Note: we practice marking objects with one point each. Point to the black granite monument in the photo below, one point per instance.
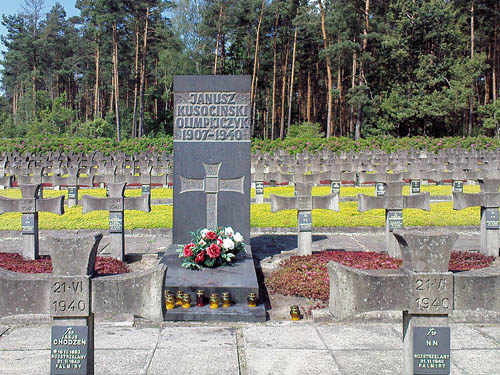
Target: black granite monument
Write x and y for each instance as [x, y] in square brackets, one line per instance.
[212, 188]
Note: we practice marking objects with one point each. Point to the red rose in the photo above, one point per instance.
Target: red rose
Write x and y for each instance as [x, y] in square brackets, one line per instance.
[200, 257]
[213, 251]
[211, 235]
[187, 250]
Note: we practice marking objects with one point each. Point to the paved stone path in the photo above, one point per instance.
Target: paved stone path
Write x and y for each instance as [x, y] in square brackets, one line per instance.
[269, 348]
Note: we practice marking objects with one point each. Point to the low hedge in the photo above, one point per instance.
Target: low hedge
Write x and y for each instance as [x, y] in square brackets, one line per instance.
[292, 145]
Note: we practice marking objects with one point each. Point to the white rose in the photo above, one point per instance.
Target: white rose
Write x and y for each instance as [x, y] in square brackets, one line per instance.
[229, 231]
[238, 237]
[203, 233]
[202, 243]
[228, 244]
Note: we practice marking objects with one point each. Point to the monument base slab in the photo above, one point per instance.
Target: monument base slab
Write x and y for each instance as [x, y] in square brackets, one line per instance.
[239, 279]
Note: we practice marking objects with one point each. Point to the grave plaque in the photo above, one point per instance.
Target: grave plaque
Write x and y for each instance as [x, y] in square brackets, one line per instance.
[395, 219]
[146, 189]
[69, 296]
[305, 221]
[415, 187]
[72, 192]
[68, 350]
[115, 222]
[492, 218]
[458, 186]
[259, 187]
[335, 187]
[380, 189]
[431, 350]
[28, 223]
[211, 154]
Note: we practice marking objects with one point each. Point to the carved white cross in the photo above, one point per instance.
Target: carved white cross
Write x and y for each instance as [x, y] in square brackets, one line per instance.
[211, 185]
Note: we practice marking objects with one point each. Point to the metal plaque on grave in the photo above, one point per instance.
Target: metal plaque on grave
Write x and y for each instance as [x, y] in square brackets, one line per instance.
[380, 189]
[68, 350]
[335, 187]
[305, 221]
[259, 187]
[146, 189]
[28, 223]
[211, 128]
[415, 187]
[431, 350]
[72, 192]
[458, 186]
[395, 219]
[116, 222]
[492, 218]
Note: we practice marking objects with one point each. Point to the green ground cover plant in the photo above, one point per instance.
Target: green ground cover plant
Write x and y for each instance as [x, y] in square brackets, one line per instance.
[441, 214]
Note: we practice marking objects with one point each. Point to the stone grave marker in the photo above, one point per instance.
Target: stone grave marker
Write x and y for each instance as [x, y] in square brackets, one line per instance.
[212, 182]
[116, 204]
[304, 203]
[30, 205]
[73, 182]
[72, 336]
[489, 201]
[422, 289]
[393, 202]
[144, 179]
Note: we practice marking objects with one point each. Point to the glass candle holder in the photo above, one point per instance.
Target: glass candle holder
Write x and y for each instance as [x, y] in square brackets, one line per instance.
[178, 297]
[186, 301]
[214, 301]
[200, 298]
[169, 301]
[226, 299]
[252, 300]
[295, 312]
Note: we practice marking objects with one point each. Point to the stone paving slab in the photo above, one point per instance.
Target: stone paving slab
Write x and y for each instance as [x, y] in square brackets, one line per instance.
[361, 336]
[273, 361]
[25, 362]
[288, 336]
[126, 338]
[122, 361]
[26, 338]
[477, 362]
[369, 362]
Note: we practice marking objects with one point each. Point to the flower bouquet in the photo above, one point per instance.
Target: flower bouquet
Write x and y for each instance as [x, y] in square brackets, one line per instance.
[211, 248]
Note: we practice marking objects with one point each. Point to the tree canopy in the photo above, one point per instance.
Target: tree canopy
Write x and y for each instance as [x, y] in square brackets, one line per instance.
[355, 67]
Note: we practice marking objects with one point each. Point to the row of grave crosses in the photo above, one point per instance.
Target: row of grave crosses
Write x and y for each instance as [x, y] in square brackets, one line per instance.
[31, 204]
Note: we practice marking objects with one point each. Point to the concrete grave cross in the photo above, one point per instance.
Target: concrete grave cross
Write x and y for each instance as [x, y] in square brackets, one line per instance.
[73, 182]
[144, 179]
[70, 300]
[393, 202]
[380, 180]
[30, 205]
[422, 289]
[116, 204]
[211, 185]
[489, 201]
[304, 203]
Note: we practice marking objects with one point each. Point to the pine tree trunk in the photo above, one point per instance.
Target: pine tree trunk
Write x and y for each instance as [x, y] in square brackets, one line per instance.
[283, 93]
[328, 72]
[273, 109]
[255, 59]
[136, 81]
[217, 42]
[309, 94]
[292, 75]
[97, 107]
[471, 99]
[116, 81]
[143, 74]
